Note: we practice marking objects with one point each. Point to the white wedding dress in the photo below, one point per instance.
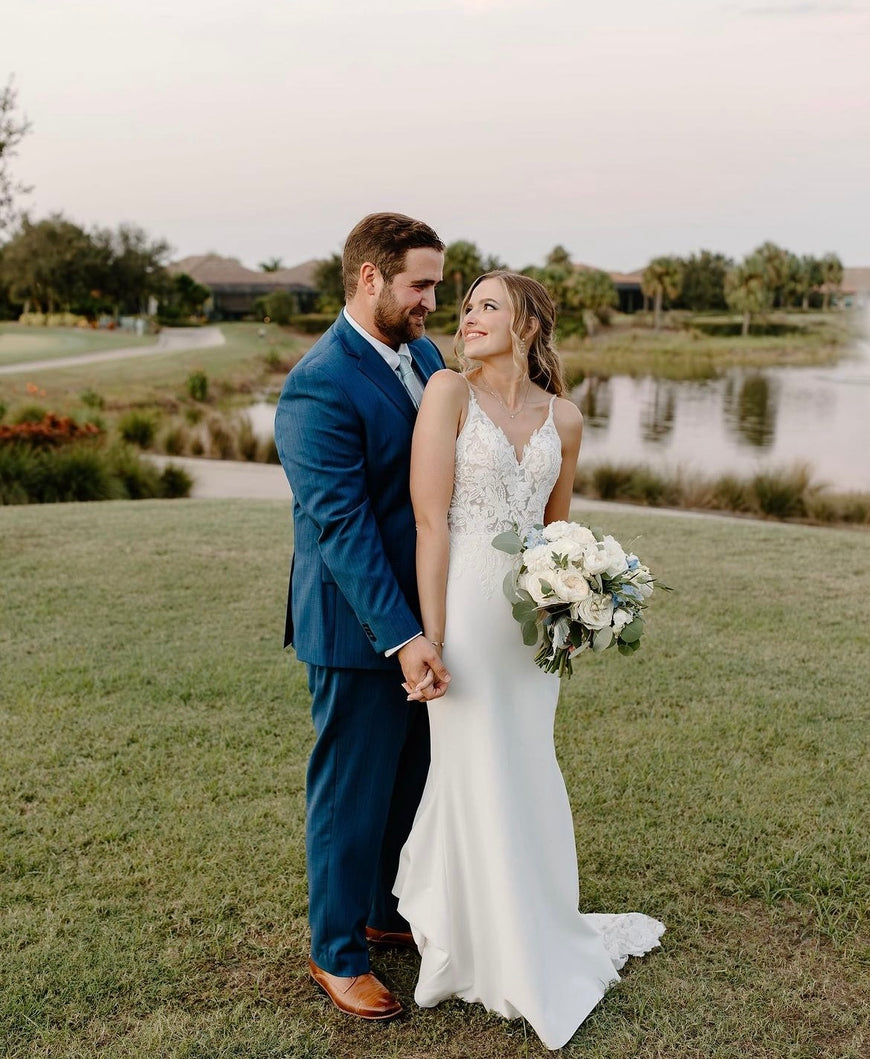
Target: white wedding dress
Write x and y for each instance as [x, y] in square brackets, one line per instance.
[488, 876]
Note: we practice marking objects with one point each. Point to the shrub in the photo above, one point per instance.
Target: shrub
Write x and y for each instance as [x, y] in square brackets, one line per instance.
[197, 385]
[49, 475]
[313, 323]
[2, 411]
[247, 442]
[268, 451]
[221, 439]
[175, 482]
[611, 481]
[731, 494]
[91, 399]
[781, 495]
[49, 431]
[176, 440]
[83, 471]
[30, 413]
[138, 428]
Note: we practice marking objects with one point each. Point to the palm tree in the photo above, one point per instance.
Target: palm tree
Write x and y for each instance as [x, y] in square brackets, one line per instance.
[746, 289]
[662, 278]
[592, 291]
[832, 276]
[462, 265]
[775, 262]
[271, 264]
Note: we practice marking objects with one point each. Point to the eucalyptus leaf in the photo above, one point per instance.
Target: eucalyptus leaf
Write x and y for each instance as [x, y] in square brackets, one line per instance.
[602, 639]
[509, 542]
[628, 648]
[530, 633]
[633, 631]
[524, 610]
[509, 587]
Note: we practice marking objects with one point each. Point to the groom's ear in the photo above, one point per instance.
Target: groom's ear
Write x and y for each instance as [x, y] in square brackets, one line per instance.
[369, 274]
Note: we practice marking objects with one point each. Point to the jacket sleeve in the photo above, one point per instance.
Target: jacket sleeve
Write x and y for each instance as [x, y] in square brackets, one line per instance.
[320, 440]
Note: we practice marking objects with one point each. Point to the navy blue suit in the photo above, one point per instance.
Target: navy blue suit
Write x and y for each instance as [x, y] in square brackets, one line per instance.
[343, 429]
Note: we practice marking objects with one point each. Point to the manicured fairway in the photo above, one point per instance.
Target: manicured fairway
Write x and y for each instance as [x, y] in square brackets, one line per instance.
[152, 761]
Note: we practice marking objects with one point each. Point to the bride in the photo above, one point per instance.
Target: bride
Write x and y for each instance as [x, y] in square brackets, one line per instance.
[488, 876]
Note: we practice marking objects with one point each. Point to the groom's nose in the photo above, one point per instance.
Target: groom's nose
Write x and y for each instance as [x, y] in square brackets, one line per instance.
[428, 299]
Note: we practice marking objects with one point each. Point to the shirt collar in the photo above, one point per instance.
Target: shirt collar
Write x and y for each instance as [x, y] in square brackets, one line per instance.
[390, 355]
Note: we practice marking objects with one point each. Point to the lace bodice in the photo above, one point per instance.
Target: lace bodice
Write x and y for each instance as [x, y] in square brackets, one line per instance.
[493, 490]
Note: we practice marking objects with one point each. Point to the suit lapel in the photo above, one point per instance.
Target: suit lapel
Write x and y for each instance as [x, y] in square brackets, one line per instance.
[375, 368]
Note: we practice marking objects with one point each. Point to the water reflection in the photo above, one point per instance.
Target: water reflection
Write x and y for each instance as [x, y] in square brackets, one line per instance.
[750, 408]
[738, 423]
[593, 396]
[657, 416]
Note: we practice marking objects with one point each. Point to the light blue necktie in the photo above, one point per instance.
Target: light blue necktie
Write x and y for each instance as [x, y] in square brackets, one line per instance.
[409, 377]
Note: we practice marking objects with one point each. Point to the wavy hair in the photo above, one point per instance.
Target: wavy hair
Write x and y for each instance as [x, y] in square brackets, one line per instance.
[529, 302]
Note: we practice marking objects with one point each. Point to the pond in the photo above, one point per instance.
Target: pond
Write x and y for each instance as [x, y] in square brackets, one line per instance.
[744, 421]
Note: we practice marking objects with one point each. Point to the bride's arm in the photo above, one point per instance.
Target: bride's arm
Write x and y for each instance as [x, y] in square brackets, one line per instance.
[432, 464]
[569, 425]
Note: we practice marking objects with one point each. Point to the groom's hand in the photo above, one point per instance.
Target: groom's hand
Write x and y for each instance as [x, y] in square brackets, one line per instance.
[426, 676]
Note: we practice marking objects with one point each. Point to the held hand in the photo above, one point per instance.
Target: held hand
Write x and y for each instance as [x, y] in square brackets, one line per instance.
[426, 676]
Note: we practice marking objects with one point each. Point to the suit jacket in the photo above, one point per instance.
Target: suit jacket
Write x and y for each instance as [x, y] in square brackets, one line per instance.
[343, 429]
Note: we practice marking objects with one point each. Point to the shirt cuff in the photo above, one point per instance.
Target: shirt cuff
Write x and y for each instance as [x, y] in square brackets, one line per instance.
[399, 646]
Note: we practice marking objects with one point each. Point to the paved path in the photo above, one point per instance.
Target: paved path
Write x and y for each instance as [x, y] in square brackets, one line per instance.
[239, 480]
[170, 340]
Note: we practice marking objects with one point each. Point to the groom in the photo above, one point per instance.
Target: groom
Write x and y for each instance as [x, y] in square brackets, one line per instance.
[343, 430]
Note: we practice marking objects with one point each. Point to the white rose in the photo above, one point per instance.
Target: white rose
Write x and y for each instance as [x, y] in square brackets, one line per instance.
[531, 583]
[567, 548]
[538, 558]
[595, 559]
[570, 585]
[572, 530]
[621, 618]
[595, 611]
[617, 561]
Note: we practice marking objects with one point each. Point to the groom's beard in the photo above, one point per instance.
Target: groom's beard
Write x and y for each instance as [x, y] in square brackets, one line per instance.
[397, 324]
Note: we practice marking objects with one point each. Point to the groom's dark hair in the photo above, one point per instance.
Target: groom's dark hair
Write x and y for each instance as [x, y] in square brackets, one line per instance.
[383, 239]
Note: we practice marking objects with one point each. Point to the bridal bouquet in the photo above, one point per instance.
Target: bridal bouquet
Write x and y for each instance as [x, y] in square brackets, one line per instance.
[575, 589]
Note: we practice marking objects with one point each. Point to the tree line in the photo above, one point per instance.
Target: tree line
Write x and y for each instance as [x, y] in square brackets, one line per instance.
[770, 277]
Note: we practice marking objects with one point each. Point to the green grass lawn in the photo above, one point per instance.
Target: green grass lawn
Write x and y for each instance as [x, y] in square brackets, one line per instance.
[153, 757]
[19, 343]
[241, 363]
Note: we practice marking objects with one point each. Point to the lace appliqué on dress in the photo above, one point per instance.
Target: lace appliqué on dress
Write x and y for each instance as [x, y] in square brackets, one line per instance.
[494, 491]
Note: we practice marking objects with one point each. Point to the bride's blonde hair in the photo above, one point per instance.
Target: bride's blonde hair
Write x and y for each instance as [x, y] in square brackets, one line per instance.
[531, 306]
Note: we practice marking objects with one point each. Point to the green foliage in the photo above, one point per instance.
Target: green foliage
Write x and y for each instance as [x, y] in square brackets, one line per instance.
[83, 471]
[91, 399]
[746, 289]
[703, 287]
[786, 494]
[330, 284]
[3, 411]
[197, 386]
[138, 428]
[279, 306]
[182, 301]
[30, 413]
[662, 281]
[313, 323]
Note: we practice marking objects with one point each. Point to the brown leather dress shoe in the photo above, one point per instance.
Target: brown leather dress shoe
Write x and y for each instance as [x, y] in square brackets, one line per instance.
[361, 995]
[401, 939]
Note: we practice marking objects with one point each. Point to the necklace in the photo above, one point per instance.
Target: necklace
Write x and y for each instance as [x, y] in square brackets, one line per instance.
[520, 406]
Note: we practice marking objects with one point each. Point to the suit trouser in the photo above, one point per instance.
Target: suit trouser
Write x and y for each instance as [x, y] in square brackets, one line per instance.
[365, 778]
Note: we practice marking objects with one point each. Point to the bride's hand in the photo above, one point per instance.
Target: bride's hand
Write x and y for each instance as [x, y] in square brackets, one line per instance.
[426, 676]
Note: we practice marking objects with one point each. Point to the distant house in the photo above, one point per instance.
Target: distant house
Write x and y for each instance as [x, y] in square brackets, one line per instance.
[628, 289]
[235, 289]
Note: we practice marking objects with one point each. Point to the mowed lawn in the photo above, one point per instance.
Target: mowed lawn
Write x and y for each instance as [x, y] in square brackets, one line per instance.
[152, 761]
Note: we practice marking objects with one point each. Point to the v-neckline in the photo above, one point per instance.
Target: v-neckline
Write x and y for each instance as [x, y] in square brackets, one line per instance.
[519, 460]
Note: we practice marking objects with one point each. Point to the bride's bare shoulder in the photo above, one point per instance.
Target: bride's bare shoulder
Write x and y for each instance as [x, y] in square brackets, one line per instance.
[567, 416]
[447, 386]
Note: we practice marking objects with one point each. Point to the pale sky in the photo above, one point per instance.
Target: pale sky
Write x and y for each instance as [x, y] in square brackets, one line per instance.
[623, 130]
